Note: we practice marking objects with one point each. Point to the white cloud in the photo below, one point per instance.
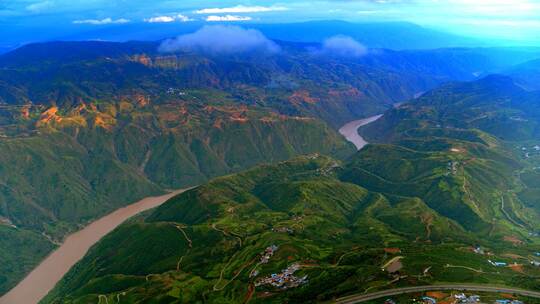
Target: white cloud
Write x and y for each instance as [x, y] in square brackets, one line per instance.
[227, 18]
[102, 21]
[241, 9]
[343, 46]
[221, 39]
[39, 6]
[167, 19]
[184, 18]
[160, 19]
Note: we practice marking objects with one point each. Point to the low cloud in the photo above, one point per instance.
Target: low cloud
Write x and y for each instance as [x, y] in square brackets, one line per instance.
[160, 19]
[241, 9]
[221, 40]
[228, 18]
[167, 19]
[183, 18]
[102, 21]
[343, 46]
[39, 6]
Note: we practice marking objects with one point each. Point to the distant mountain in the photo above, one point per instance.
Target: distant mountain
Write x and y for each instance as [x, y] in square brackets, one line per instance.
[526, 74]
[72, 71]
[390, 35]
[90, 126]
[490, 118]
[494, 104]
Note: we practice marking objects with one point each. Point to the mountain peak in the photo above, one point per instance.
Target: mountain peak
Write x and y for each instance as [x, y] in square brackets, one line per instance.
[499, 83]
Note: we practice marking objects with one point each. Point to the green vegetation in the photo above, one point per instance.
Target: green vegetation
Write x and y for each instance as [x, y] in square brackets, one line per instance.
[69, 175]
[20, 251]
[88, 127]
[336, 230]
[434, 204]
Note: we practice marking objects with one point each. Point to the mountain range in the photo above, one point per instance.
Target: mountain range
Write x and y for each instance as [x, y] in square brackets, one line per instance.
[442, 190]
[88, 127]
[389, 35]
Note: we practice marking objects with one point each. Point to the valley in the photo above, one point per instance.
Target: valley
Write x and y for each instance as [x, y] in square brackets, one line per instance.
[422, 202]
[44, 277]
[49, 272]
[314, 169]
[103, 124]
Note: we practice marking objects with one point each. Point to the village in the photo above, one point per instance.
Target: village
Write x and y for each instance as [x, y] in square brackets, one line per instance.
[452, 168]
[176, 92]
[530, 151]
[284, 280]
[481, 251]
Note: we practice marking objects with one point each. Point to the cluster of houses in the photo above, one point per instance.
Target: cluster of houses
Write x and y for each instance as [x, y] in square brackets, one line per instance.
[498, 264]
[284, 280]
[452, 168]
[268, 253]
[527, 151]
[462, 298]
[479, 250]
[265, 258]
[174, 91]
[508, 302]
[283, 230]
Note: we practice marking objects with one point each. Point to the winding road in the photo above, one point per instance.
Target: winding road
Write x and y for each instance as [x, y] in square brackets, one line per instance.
[44, 277]
[350, 130]
[359, 298]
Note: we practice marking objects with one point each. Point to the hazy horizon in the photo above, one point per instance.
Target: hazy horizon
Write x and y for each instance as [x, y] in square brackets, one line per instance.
[26, 21]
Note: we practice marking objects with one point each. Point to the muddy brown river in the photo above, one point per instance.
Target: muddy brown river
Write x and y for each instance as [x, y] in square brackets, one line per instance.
[350, 131]
[43, 278]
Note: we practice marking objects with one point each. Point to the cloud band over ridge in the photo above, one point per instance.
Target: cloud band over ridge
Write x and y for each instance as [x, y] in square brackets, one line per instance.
[221, 40]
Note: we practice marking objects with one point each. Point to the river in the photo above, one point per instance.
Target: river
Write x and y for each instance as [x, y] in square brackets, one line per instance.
[43, 278]
[350, 130]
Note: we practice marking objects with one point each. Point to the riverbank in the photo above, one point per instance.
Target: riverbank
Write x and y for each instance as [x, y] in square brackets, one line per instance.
[350, 130]
[43, 278]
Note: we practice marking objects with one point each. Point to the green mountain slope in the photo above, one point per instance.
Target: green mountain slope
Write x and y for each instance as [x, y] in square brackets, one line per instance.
[490, 124]
[526, 74]
[446, 180]
[74, 172]
[494, 105]
[88, 127]
[209, 242]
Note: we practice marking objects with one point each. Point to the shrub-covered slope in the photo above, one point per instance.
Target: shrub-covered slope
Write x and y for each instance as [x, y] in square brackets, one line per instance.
[338, 223]
[446, 181]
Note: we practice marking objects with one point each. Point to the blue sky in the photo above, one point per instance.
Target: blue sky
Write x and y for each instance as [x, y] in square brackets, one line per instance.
[517, 20]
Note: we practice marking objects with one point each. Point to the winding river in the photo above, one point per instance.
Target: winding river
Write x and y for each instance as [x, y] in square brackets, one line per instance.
[44, 277]
[350, 131]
